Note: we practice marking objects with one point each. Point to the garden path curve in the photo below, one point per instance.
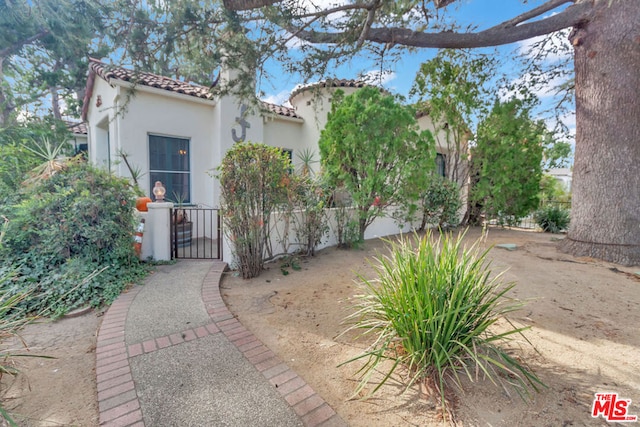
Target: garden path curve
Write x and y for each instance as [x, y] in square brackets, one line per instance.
[170, 353]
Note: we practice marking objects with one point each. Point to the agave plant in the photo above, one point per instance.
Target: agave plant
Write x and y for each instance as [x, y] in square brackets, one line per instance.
[53, 160]
[431, 310]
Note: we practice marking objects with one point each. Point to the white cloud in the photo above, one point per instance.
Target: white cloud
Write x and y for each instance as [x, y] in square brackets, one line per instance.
[569, 120]
[281, 98]
[539, 87]
[293, 42]
[378, 77]
[552, 48]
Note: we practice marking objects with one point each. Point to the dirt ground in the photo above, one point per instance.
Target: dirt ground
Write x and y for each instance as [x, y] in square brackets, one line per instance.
[584, 317]
[54, 392]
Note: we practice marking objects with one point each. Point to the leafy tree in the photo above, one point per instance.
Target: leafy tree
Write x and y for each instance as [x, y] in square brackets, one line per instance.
[453, 87]
[440, 203]
[44, 50]
[19, 145]
[372, 147]
[606, 60]
[556, 153]
[506, 162]
[553, 190]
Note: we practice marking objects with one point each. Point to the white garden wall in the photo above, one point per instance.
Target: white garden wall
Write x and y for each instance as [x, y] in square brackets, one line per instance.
[283, 241]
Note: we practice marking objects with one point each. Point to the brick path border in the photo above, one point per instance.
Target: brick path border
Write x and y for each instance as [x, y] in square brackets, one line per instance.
[117, 399]
[118, 402]
[310, 407]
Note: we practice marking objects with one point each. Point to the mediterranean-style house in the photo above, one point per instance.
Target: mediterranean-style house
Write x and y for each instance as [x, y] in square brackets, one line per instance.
[178, 133]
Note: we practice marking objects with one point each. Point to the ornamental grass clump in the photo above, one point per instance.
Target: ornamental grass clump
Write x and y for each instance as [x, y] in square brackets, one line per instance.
[552, 219]
[431, 310]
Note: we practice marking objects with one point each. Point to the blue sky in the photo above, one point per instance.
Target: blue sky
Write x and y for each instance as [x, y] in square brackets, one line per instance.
[398, 77]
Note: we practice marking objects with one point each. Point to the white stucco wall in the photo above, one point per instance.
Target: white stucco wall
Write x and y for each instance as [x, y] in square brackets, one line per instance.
[124, 122]
[100, 123]
[313, 105]
[150, 113]
[286, 134]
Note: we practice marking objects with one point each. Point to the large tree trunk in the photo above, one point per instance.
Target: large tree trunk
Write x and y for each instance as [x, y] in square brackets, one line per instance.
[605, 216]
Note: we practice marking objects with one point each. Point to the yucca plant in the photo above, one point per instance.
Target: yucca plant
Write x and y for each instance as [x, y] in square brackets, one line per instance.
[431, 310]
[552, 219]
[53, 160]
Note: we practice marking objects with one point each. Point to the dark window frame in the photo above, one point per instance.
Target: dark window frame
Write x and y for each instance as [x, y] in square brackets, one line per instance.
[170, 163]
[441, 164]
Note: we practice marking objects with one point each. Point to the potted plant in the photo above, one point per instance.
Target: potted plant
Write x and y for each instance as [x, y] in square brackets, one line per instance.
[181, 227]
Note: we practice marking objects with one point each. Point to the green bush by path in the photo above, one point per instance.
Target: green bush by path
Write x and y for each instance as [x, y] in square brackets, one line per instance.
[253, 182]
[431, 310]
[70, 238]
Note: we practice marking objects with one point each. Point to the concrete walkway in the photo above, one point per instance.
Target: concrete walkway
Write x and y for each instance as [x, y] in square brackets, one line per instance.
[169, 353]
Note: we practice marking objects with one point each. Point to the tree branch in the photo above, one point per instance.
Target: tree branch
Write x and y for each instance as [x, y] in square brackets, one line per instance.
[9, 50]
[371, 15]
[238, 5]
[494, 36]
[550, 5]
[332, 10]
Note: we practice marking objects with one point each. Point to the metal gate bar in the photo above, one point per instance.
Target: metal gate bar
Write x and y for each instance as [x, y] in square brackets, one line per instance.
[195, 233]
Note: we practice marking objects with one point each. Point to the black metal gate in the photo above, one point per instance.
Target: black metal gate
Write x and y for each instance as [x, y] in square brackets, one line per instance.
[196, 233]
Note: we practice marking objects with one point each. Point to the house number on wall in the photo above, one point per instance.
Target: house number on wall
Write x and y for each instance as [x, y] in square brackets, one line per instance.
[243, 125]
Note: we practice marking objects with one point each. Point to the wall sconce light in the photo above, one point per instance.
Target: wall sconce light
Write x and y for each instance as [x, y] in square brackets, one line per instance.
[159, 191]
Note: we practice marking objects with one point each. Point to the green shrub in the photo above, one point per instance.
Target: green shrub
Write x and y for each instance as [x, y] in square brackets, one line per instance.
[552, 218]
[347, 226]
[64, 231]
[440, 203]
[307, 197]
[12, 319]
[431, 309]
[253, 179]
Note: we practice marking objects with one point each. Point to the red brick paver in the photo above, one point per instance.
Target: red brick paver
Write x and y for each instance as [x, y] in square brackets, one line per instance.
[311, 408]
[117, 399]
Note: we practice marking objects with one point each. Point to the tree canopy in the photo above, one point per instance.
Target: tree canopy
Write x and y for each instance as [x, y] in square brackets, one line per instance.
[506, 162]
[44, 47]
[372, 147]
[188, 39]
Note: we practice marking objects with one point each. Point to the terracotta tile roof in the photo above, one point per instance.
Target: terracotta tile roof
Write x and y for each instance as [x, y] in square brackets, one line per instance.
[338, 83]
[108, 72]
[77, 128]
[280, 110]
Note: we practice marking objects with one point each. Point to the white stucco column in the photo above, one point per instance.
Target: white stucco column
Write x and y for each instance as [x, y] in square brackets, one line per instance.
[159, 230]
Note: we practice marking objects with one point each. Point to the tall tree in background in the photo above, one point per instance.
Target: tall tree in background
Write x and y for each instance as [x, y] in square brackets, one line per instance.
[605, 38]
[507, 162]
[44, 45]
[372, 147]
[452, 87]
